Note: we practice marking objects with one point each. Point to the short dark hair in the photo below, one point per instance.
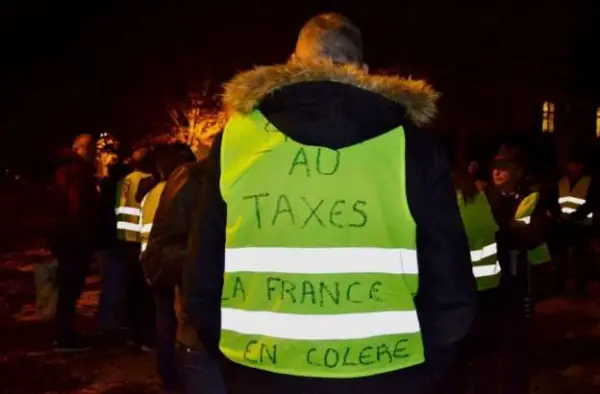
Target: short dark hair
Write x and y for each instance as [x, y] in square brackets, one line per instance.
[168, 157]
[331, 36]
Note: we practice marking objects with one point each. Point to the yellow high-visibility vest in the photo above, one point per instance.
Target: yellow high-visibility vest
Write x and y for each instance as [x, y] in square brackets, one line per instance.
[571, 199]
[149, 206]
[127, 208]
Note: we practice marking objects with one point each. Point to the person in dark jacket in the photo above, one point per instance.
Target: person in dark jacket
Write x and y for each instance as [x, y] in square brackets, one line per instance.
[163, 260]
[505, 194]
[109, 316]
[165, 243]
[324, 97]
[74, 237]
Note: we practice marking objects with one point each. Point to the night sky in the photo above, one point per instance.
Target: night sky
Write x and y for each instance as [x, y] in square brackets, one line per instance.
[73, 67]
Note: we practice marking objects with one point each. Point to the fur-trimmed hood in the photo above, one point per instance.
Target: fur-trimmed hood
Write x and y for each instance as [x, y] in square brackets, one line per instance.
[247, 90]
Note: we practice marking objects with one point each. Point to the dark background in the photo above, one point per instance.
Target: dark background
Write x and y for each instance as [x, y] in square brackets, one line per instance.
[74, 67]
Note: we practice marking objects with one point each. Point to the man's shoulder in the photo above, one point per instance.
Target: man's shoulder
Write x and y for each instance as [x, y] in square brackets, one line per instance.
[182, 173]
[423, 146]
[181, 180]
[192, 171]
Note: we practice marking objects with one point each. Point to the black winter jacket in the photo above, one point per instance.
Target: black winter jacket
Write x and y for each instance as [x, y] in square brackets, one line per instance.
[168, 241]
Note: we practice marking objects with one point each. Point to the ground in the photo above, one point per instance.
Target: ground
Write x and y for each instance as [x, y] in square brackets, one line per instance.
[566, 345]
[28, 364]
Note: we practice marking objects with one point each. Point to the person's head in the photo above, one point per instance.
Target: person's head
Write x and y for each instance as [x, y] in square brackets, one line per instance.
[329, 37]
[507, 167]
[140, 160]
[108, 156]
[473, 167]
[139, 155]
[170, 156]
[85, 147]
[574, 167]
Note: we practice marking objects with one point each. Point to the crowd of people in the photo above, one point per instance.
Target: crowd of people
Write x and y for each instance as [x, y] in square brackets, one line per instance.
[324, 245]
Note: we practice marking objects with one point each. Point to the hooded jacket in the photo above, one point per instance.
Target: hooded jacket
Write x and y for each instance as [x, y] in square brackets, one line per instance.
[335, 107]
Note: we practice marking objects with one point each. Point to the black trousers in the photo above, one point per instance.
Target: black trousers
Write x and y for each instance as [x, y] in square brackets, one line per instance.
[166, 335]
[495, 355]
[73, 266]
[575, 239]
[139, 299]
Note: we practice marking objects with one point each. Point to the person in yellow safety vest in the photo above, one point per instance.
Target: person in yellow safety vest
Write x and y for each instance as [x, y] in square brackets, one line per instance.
[331, 255]
[523, 220]
[577, 200]
[139, 306]
[479, 355]
[481, 231]
[127, 208]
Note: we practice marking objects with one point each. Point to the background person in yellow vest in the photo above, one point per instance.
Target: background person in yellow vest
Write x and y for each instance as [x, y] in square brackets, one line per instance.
[480, 349]
[139, 305]
[318, 176]
[507, 195]
[168, 158]
[577, 198]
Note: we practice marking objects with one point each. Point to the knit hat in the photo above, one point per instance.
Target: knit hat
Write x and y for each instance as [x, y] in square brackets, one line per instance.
[509, 156]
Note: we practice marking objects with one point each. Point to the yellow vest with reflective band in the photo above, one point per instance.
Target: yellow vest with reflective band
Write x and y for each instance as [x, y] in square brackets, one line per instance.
[149, 206]
[571, 200]
[540, 254]
[320, 260]
[481, 229]
[127, 208]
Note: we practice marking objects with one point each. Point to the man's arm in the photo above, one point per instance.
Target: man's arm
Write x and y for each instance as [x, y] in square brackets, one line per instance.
[205, 265]
[446, 300]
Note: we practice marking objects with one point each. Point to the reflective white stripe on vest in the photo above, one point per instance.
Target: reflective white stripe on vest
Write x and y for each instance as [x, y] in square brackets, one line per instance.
[572, 200]
[128, 211]
[569, 210]
[146, 228]
[486, 270]
[486, 251]
[319, 327]
[526, 219]
[128, 226]
[322, 260]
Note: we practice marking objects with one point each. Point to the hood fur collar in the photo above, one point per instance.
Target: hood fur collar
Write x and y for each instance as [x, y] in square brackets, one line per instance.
[247, 89]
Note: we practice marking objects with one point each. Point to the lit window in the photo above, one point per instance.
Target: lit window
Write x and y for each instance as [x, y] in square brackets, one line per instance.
[548, 117]
[598, 122]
